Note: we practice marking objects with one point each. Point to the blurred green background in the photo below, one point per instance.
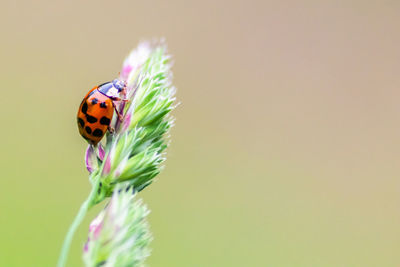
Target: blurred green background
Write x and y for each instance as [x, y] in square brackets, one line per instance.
[286, 147]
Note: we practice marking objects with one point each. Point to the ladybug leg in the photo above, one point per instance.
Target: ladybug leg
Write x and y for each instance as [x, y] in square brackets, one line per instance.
[111, 129]
[120, 117]
[120, 99]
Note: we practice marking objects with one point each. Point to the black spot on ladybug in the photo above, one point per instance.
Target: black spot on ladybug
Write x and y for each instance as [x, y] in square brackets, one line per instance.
[90, 119]
[81, 122]
[98, 133]
[84, 108]
[88, 130]
[103, 105]
[105, 121]
[94, 101]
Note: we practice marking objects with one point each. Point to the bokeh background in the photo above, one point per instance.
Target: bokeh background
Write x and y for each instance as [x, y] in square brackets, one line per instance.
[286, 147]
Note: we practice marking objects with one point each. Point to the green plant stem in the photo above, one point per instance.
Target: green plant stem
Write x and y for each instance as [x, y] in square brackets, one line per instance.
[77, 221]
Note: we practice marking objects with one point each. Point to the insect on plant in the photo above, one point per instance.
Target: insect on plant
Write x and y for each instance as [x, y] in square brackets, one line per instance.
[97, 108]
[133, 112]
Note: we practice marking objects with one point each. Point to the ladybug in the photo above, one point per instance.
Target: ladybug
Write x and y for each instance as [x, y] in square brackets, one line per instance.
[97, 109]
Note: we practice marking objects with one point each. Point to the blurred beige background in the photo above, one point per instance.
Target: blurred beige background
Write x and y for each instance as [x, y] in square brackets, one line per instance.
[286, 147]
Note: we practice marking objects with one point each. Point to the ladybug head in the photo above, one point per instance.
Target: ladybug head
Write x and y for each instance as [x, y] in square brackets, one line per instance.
[119, 84]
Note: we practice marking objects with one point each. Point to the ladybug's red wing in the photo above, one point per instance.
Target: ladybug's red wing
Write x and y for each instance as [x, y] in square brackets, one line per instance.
[94, 116]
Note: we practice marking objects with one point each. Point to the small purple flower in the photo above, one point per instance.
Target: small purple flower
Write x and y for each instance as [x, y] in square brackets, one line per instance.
[94, 230]
[126, 70]
[90, 159]
[126, 122]
[107, 166]
[100, 151]
[135, 59]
